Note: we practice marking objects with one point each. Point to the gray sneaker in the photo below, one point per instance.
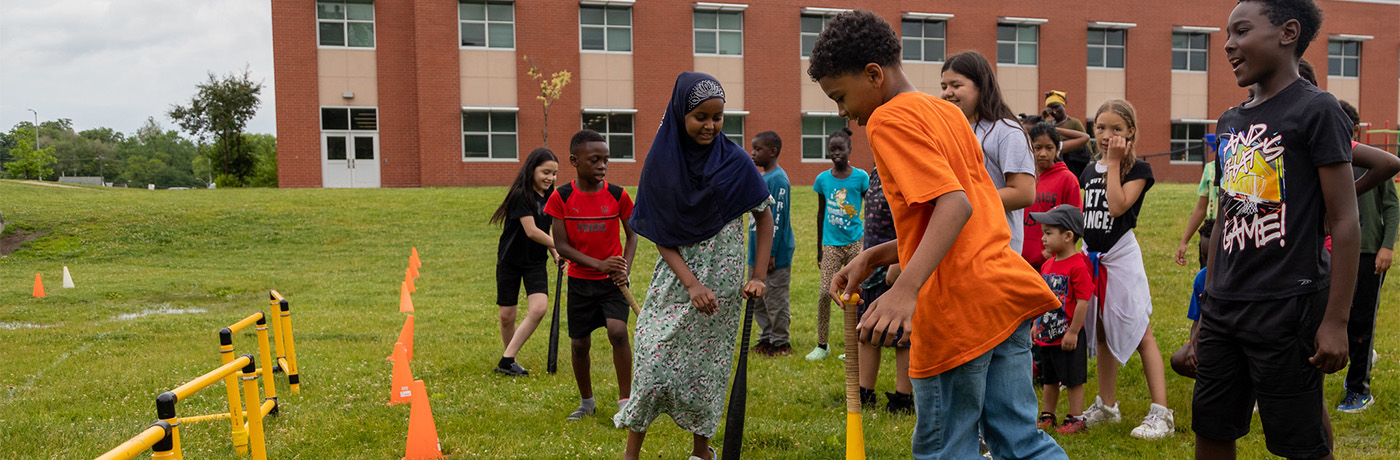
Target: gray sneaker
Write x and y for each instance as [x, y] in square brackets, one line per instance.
[1099, 413]
[580, 413]
[1158, 424]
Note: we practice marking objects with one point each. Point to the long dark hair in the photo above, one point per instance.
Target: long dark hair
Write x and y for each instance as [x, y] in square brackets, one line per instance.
[524, 182]
[991, 106]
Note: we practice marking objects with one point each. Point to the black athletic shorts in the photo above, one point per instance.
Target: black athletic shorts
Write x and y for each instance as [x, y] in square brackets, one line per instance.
[1260, 350]
[871, 293]
[509, 277]
[1068, 368]
[592, 303]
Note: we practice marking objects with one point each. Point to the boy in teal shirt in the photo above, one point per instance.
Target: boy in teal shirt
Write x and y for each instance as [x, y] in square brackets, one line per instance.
[772, 311]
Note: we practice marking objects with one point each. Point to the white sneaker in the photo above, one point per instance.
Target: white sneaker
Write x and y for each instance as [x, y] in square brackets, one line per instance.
[1099, 413]
[1158, 424]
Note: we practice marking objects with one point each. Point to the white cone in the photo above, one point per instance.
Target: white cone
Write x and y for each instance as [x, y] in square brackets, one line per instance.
[67, 279]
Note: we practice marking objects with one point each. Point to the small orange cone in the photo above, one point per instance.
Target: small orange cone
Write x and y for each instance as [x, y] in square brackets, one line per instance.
[412, 270]
[405, 338]
[405, 300]
[408, 278]
[38, 285]
[423, 442]
[400, 391]
[413, 259]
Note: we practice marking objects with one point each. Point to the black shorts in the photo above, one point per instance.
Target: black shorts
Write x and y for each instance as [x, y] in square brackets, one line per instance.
[1260, 350]
[592, 303]
[509, 277]
[1068, 368]
[872, 293]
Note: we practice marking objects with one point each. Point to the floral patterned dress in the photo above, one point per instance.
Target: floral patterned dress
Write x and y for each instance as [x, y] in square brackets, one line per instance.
[682, 356]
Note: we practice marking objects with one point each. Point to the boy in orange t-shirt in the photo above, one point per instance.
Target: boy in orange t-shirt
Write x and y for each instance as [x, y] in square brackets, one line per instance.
[965, 296]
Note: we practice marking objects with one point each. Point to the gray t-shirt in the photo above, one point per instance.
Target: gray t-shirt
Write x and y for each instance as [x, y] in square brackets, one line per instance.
[1006, 150]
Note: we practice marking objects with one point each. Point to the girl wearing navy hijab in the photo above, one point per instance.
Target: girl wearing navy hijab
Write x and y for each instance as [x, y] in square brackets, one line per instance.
[695, 188]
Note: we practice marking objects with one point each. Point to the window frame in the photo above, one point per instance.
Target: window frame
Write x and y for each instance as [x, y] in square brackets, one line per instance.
[825, 135]
[1343, 58]
[1204, 51]
[489, 133]
[345, 25]
[716, 31]
[1105, 46]
[321, 118]
[743, 117]
[486, 24]
[1016, 43]
[1189, 142]
[924, 39]
[631, 20]
[825, 18]
[608, 134]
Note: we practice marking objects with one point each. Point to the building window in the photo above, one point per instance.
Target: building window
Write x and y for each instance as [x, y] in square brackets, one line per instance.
[734, 128]
[924, 39]
[1017, 44]
[348, 119]
[1106, 48]
[486, 24]
[605, 28]
[616, 128]
[489, 135]
[816, 130]
[345, 23]
[812, 25]
[719, 32]
[1188, 142]
[1343, 58]
[1189, 51]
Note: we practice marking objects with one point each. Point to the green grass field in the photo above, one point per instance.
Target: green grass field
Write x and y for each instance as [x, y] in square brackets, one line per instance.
[159, 272]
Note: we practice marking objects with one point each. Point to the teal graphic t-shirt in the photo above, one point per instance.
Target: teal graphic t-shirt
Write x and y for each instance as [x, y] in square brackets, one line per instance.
[844, 197]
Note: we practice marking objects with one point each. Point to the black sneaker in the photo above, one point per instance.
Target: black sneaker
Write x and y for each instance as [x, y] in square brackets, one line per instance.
[782, 350]
[867, 398]
[900, 403]
[763, 348]
[514, 370]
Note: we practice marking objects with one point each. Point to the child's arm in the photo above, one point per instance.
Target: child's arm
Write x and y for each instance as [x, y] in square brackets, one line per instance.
[1341, 215]
[758, 278]
[847, 280]
[561, 243]
[1390, 219]
[1192, 224]
[1380, 166]
[895, 309]
[1120, 196]
[622, 277]
[1072, 140]
[821, 219]
[700, 296]
[1019, 191]
[554, 253]
[534, 232]
[1071, 340]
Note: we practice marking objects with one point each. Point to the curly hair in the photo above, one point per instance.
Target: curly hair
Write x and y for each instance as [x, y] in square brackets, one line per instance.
[1307, 13]
[850, 41]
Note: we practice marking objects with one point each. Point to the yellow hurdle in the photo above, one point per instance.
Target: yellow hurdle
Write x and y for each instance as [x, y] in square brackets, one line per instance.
[286, 346]
[155, 434]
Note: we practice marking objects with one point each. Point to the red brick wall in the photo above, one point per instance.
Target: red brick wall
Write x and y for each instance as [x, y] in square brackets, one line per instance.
[298, 112]
[419, 82]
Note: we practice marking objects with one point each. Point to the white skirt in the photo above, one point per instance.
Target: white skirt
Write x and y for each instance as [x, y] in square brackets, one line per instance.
[1127, 302]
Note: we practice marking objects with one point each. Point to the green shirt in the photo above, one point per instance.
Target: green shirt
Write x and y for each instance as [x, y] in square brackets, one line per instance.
[1380, 215]
[1208, 189]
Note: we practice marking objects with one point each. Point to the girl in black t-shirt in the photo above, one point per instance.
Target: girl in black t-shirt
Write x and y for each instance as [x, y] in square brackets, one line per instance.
[520, 253]
[1113, 194]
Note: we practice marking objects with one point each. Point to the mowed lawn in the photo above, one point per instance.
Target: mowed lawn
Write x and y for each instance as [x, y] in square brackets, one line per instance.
[159, 272]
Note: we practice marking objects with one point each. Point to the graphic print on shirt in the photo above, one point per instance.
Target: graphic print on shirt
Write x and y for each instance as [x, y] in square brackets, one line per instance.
[1051, 325]
[1096, 216]
[1252, 191]
[838, 212]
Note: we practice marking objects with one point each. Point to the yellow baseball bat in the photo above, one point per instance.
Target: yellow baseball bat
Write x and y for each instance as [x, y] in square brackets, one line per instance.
[855, 437]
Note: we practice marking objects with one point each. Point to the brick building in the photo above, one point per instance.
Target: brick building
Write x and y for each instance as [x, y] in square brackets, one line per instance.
[404, 93]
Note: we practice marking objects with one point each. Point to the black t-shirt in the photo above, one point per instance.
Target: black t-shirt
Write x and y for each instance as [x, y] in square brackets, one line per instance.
[1271, 241]
[1101, 230]
[516, 248]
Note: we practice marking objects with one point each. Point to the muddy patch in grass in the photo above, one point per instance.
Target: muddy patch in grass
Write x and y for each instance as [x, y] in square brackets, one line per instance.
[11, 241]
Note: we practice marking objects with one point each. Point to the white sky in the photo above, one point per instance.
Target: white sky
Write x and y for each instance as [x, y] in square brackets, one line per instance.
[111, 64]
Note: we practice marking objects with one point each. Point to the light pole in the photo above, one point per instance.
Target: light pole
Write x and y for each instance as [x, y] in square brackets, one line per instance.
[36, 134]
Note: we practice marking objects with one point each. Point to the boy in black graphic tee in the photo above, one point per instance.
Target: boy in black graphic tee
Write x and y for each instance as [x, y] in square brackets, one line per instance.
[1275, 314]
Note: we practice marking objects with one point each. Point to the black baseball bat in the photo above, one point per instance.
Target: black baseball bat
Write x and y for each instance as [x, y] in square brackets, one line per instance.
[553, 364]
[739, 393]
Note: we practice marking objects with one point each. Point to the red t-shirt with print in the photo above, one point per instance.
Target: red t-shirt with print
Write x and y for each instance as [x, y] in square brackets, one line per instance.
[592, 221]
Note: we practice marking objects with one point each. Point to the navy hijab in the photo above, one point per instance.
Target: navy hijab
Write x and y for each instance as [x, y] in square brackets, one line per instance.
[689, 192]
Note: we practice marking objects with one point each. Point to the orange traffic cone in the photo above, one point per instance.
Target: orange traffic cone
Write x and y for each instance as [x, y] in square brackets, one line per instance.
[408, 278]
[38, 285]
[423, 442]
[405, 338]
[412, 270]
[400, 391]
[405, 300]
[413, 259]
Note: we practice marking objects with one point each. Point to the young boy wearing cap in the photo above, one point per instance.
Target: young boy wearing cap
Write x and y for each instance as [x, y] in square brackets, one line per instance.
[1060, 332]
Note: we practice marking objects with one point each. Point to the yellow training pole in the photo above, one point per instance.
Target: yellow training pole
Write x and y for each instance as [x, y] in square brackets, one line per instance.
[235, 406]
[265, 355]
[277, 338]
[293, 378]
[138, 445]
[255, 416]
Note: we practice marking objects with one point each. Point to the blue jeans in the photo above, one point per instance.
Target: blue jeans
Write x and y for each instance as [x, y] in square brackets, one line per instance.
[993, 392]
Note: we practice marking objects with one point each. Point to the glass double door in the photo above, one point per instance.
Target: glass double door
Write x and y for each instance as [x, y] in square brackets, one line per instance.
[349, 160]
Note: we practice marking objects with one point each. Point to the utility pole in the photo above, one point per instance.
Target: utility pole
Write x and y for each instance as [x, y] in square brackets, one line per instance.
[36, 134]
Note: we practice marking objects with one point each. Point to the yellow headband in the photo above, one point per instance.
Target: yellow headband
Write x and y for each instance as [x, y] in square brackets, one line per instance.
[1055, 96]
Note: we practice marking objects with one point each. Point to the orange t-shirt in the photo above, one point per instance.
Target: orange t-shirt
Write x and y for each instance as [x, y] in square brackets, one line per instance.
[982, 290]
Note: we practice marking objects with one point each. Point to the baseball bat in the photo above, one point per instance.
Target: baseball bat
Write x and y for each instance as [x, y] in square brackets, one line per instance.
[739, 393]
[553, 364]
[627, 292]
[855, 438]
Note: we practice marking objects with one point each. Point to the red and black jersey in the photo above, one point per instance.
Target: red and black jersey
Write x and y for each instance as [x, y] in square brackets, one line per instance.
[593, 222]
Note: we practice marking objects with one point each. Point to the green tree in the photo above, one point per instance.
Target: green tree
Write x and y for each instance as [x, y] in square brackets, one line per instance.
[154, 155]
[264, 149]
[220, 110]
[27, 162]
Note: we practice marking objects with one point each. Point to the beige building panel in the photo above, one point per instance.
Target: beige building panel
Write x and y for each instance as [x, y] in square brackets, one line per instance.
[1020, 87]
[593, 93]
[605, 80]
[360, 63]
[1102, 85]
[620, 95]
[1190, 95]
[813, 99]
[926, 76]
[1346, 89]
[730, 73]
[502, 92]
[333, 89]
[345, 63]
[487, 63]
[619, 67]
[488, 78]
